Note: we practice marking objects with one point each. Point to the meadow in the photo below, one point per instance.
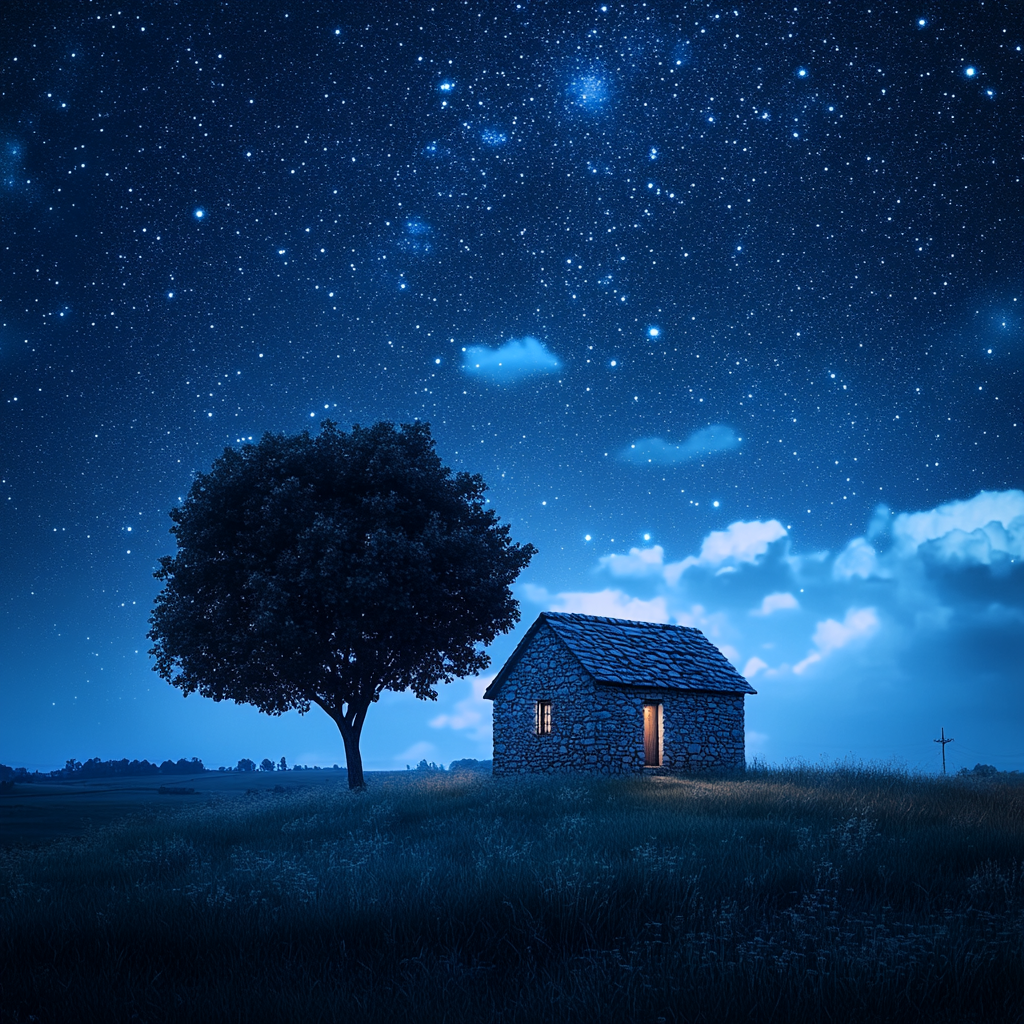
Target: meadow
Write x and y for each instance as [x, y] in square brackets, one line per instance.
[842, 894]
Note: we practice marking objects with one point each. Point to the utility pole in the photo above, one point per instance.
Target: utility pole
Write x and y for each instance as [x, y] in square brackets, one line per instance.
[943, 741]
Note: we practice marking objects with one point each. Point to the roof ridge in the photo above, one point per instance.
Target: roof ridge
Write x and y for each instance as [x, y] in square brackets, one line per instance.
[617, 622]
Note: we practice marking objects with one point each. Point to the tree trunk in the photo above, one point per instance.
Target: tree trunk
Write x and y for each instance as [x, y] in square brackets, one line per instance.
[350, 726]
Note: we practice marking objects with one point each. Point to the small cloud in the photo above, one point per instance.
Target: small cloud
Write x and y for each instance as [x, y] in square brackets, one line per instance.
[639, 562]
[471, 715]
[730, 653]
[776, 603]
[511, 362]
[830, 635]
[752, 667]
[740, 542]
[858, 559]
[614, 603]
[656, 451]
[414, 754]
[756, 741]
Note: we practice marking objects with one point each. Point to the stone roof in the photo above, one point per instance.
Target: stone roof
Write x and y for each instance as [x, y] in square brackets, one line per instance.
[622, 652]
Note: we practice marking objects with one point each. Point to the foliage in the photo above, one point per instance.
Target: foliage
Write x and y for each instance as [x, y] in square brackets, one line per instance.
[471, 764]
[326, 570]
[94, 768]
[793, 896]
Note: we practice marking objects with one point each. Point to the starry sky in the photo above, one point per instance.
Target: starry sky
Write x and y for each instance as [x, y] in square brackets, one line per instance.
[724, 303]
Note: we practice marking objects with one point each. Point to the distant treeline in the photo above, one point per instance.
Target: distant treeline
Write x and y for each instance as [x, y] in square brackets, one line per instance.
[94, 768]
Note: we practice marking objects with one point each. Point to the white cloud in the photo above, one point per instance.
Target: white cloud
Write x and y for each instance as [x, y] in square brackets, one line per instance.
[656, 451]
[857, 560]
[613, 603]
[731, 654]
[471, 715]
[697, 616]
[414, 754]
[970, 530]
[753, 666]
[983, 546]
[984, 529]
[777, 602]
[831, 635]
[511, 362]
[741, 542]
[639, 562]
[756, 741]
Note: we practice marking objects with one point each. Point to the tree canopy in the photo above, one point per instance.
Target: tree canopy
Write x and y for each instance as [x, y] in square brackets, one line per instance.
[324, 570]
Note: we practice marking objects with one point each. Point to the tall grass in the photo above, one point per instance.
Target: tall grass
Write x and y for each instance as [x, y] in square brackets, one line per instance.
[787, 895]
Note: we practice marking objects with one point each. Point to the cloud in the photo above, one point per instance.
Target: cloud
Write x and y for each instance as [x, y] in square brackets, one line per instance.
[414, 754]
[655, 451]
[971, 531]
[914, 623]
[776, 603]
[471, 716]
[614, 603]
[511, 362]
[987, 529]
[709, 623]
[857, 560]
[639, 562]
[830, 635]
[753, 666]
[740, 542]
[756, 741]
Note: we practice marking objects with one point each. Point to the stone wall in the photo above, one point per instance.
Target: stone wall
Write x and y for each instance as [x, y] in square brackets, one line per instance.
[596, 728]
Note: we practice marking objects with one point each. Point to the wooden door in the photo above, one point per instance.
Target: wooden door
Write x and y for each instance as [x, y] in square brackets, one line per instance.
[652, 735]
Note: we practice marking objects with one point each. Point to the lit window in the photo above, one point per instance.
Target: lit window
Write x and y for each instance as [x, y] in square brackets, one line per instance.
[543, 718]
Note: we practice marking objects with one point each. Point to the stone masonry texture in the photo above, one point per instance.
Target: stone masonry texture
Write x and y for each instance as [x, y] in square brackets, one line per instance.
[598, 728]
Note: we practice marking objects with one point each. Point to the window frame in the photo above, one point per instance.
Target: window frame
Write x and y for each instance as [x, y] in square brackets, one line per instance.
[543, 718]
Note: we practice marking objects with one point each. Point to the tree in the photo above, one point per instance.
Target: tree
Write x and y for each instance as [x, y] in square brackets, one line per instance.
[266, 765]
[325, 570]
[246, 765]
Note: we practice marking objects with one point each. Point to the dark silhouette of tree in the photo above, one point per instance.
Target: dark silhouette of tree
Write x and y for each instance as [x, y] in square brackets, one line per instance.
[326, 570]
[266, 765]
[246, 765]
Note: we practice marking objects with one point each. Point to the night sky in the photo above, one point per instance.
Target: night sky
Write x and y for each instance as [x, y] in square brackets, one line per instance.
[724, 303]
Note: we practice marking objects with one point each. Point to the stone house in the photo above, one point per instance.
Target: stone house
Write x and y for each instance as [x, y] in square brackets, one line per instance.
[585, 693]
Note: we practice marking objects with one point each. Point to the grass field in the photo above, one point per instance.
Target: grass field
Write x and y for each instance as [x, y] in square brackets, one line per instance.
[788, 895]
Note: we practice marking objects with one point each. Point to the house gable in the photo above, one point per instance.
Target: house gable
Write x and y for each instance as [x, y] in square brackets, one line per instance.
[623, 652]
